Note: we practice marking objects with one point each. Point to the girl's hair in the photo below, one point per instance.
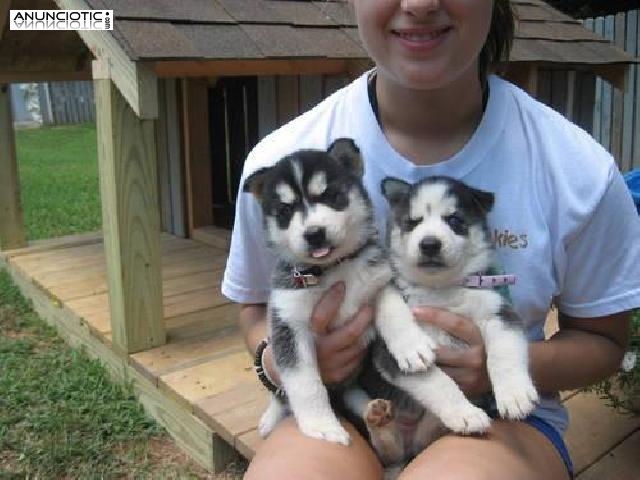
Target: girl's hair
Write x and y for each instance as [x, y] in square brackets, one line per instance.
[498, 44]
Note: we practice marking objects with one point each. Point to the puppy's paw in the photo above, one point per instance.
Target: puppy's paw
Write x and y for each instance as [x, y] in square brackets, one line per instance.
[378, 413]
[466, 420]
[325, 429]
[274, 413]
[414, 351]
[516, 401]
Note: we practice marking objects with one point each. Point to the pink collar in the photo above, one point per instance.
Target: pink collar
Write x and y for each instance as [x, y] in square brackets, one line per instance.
[488, 281]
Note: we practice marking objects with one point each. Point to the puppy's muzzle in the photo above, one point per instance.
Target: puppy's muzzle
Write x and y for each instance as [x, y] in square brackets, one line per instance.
[316, 237]
[430, 247]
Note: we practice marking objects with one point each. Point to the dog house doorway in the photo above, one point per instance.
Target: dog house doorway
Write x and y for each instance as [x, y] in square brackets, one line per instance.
[233, 124]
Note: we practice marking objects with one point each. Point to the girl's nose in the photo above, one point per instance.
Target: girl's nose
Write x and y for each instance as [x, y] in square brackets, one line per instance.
[419, 8]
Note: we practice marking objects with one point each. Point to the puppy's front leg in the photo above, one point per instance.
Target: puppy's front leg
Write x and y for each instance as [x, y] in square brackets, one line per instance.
[508, 367]
[295, 356]
[439, 394]
[409, 345]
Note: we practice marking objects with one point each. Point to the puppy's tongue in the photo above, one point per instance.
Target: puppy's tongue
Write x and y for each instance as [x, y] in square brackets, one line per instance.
[320, 252]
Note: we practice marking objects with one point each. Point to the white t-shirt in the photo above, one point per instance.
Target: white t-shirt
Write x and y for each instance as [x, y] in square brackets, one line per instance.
[563, 219]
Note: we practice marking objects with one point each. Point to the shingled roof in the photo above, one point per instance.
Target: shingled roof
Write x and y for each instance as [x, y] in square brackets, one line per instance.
[254, 29]
[169, 34]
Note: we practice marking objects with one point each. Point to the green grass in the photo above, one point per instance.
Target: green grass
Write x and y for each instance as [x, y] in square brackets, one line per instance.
[60, 415]
[58, 170]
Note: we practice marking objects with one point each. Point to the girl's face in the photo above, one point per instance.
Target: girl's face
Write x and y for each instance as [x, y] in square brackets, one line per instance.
[424, 44]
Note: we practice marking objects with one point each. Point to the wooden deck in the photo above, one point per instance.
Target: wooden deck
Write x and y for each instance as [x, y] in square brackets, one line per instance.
[200, 385]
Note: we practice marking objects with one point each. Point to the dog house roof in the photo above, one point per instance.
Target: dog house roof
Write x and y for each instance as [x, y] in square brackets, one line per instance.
[250, 29]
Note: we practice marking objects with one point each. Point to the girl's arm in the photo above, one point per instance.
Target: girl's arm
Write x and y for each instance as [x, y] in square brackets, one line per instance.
[339, 351]
[582, 352]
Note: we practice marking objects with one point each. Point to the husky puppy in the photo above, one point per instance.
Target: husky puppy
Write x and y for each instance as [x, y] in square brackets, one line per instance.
[320, 224]
[440, 251]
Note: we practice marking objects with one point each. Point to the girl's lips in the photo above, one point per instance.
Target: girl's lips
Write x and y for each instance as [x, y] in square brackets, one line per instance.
[421, 39]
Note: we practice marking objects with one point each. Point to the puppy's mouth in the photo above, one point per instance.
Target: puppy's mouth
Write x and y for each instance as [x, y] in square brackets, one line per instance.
[432, 263]
[320, 253]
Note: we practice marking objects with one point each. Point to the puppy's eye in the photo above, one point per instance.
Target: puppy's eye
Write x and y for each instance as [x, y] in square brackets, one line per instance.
[410, 223]
[334, 195]
[455, 222]
[284, 210]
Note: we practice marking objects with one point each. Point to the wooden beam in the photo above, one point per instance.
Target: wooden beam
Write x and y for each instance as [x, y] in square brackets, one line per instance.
[7, 76]
[215, 68]
[195, 103]
[525, 75]
[12, 233]
[136, 81]
[131, 221]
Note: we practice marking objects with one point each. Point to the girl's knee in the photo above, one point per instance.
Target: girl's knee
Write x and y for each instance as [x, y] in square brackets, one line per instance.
[286, 453]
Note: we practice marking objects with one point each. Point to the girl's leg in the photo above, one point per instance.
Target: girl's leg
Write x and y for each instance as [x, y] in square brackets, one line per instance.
[509, 450]
[287, 453]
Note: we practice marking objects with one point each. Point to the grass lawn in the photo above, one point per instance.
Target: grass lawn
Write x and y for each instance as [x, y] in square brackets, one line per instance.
[59, 180]
[60, 415]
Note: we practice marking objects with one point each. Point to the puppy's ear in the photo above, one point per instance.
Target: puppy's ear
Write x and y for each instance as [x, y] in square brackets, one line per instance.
[347, 153]
[484, 200]
[254, 183]
[396, 191]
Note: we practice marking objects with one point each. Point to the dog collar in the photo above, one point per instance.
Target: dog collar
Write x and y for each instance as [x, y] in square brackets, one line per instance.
[309, 277]
[488, 281]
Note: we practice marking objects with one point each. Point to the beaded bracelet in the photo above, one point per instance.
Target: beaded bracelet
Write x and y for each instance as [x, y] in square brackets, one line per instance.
[263, 376]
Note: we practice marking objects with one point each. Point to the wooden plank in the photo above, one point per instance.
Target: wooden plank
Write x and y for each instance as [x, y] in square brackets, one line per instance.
[128, 181]
[310, 91]
[202, 322]
[214, 236]
[630, 95]
[197, 152]
[525, 75]
[559, 90]
[248, 443]
[174, 151]
[242, 418]
[57, 243]
[216, 68]
[12, 231]
[287, 98]
[594, 429]
[617, 114]
[622, 463]
[267, 109]
[607, 92]
[195, 383]
[164, 178]
[189, 352]
[584, 115]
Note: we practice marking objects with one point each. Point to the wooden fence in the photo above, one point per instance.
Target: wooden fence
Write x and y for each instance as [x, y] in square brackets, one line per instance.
[616, 115]
[67, 102]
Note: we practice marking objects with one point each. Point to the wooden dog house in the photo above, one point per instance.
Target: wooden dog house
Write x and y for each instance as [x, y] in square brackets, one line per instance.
[183, 90]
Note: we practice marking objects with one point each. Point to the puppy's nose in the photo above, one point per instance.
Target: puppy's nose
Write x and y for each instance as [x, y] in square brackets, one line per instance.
[430, 246]
[315, 236]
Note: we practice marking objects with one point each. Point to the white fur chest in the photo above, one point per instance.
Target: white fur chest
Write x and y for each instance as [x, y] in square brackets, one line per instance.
[361, 279]
[478, 305]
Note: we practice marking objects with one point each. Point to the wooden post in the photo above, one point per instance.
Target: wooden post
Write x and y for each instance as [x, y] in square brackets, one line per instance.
[131, 221]
[195, 95]
[12, 233]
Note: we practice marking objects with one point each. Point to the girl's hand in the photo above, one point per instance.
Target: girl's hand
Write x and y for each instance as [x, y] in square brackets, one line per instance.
[339, 351]
[467, 367]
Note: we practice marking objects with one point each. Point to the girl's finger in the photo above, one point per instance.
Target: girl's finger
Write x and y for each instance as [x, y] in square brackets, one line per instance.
[349, 333]
[456, 325]
[470, 358]
[327, 308]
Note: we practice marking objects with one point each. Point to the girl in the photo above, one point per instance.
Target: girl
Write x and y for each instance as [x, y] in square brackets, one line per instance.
[563, 222]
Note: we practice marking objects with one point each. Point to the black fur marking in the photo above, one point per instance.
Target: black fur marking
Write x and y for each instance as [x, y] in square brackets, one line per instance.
[510, 317]
[283, 341]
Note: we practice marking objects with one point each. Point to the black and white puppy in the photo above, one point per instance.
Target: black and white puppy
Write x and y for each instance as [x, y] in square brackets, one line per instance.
[440, 251]
[320, 224]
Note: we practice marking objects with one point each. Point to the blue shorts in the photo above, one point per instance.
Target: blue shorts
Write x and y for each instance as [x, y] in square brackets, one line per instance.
[554, 437]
